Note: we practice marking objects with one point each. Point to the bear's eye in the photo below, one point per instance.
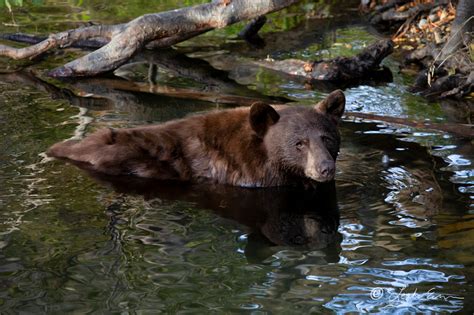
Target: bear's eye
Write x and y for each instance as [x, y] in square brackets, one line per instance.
[328, 141]
[300, 144]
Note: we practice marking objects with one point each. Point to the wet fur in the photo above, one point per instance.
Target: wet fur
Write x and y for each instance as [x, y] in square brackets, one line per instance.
[225, 147]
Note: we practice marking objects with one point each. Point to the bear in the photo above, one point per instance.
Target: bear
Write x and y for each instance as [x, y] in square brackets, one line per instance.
[260, 146]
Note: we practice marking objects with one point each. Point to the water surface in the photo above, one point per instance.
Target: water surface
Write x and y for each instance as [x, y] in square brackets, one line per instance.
[397, 235]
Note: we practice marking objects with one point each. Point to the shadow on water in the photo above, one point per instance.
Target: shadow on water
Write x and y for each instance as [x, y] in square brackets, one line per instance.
[283, 216]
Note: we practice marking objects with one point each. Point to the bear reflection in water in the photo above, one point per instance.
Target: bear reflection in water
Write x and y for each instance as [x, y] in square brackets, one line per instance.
[287, 216]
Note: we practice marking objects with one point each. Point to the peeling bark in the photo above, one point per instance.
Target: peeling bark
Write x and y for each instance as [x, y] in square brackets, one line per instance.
[158, 30]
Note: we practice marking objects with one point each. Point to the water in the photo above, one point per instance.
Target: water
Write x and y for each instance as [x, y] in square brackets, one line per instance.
[71, 242]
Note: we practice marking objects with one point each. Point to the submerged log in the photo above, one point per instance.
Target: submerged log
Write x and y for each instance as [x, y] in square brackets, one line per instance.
[339, 70]
[460, 130]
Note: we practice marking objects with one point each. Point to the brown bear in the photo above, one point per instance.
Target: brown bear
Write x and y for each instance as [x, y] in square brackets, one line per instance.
[260, 146]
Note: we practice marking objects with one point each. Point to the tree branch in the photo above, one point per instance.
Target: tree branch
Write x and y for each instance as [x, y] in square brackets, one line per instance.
[162, 29]
[62, 39]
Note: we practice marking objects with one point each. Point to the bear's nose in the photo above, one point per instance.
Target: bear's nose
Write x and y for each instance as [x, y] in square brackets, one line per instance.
[327, 169]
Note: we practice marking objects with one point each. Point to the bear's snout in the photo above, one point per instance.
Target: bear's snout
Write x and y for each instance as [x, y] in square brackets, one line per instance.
[327, 169]
[320, 170]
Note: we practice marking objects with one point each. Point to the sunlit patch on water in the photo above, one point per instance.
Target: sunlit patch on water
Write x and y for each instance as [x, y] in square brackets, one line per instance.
[382, 100]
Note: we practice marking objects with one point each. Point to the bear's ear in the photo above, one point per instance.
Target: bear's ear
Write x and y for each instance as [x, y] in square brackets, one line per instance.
[261, 117]
[333, 105]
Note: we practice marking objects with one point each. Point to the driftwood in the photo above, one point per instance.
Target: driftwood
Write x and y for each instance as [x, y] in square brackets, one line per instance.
[461, 29]
[340, 70]
[157, 30]
[297, 38]
[436, 81]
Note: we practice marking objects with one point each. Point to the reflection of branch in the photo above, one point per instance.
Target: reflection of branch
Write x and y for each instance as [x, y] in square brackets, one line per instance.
[181, 66]
[28, 78]
[183, 93]
[82, 103]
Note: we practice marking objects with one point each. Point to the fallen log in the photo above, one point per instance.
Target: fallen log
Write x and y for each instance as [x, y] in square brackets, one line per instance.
[34, 39]
[340, 70]
[159, 29]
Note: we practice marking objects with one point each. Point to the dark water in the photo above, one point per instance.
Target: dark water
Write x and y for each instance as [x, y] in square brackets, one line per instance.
[395, 235]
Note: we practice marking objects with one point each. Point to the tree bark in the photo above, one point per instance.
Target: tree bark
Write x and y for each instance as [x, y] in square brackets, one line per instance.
[339, 70]
[461, 29]
[159, 30]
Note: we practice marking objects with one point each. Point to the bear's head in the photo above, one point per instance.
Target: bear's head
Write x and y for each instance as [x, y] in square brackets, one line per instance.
[301, 141]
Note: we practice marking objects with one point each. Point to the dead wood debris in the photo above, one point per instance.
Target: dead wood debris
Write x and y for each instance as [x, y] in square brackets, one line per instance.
[340, 71]
[123, 41]
[422, 34]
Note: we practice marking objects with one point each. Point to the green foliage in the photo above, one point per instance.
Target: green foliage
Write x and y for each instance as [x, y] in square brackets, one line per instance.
[9, 3]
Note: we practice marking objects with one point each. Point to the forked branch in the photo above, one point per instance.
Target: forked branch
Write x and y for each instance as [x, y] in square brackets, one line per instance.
[158, 30]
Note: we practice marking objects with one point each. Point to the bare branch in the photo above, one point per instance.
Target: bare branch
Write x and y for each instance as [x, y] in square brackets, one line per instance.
[142, 30]
[157, 30]
[251, 30]
[62, 39]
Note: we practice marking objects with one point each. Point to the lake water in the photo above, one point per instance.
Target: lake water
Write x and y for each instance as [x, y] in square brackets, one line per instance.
[394, 233]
